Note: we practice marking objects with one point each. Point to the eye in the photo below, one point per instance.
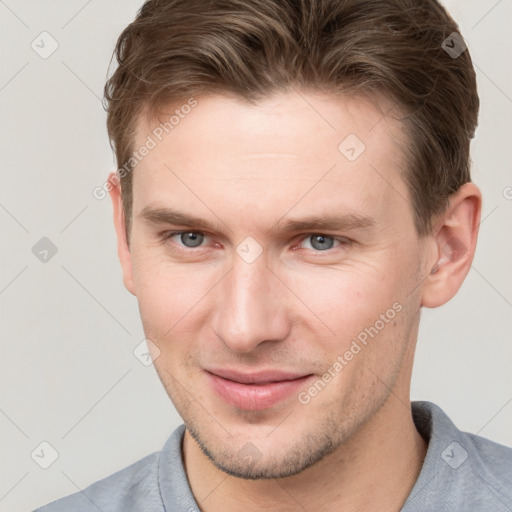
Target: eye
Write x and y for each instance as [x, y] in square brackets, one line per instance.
[188, 238]
[320, 242]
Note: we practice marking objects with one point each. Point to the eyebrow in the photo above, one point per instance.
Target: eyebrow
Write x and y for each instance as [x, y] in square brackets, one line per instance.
[159, 216]
[318, 223]
[343, 222]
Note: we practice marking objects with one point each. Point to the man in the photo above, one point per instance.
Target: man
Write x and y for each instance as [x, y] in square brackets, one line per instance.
[293, 188]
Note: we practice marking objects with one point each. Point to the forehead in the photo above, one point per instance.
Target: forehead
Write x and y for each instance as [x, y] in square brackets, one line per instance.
[285, 120]
[308, 150]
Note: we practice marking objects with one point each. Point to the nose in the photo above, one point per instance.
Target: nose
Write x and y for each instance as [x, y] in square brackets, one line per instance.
[251, 307]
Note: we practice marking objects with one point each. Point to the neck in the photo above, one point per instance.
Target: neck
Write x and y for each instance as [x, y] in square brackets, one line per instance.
[374, 470]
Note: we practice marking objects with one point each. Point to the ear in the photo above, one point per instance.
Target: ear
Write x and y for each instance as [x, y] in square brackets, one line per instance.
[455, 240]
[123, 249]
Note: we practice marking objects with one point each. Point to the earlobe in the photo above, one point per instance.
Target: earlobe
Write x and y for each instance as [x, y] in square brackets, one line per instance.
[455, 239]
[123, 249]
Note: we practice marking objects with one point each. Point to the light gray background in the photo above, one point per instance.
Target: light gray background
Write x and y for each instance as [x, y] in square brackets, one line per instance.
[68, 374]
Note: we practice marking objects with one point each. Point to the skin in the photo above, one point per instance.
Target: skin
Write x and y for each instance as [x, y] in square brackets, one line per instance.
[248, 169]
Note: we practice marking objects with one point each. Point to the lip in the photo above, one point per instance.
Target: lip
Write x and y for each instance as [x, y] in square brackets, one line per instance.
[255, 391]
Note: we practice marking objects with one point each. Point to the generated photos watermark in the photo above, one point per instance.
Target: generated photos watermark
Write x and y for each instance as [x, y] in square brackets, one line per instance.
[356, 346]
[151, 142]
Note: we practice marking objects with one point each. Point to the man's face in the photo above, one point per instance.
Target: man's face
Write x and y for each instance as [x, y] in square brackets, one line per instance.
[303, 266]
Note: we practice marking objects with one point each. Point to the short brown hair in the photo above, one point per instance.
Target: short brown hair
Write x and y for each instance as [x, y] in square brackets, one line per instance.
[176, 49]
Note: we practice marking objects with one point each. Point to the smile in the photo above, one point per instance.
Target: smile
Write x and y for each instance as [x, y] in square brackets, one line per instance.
[255, 391]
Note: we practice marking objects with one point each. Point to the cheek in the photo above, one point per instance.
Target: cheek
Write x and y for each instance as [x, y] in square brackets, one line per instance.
[169, 296]
[347, 299]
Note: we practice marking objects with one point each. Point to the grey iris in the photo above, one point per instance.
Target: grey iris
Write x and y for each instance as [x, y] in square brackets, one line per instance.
[191, 239]
[321, 242]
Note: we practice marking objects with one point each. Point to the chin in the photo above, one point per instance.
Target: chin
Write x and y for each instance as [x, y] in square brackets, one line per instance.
[261, 460]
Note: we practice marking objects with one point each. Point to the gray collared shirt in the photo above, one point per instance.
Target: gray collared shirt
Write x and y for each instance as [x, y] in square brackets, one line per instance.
[461, 472]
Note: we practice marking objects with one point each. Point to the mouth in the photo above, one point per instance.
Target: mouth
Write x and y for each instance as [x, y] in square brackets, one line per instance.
[256, 390]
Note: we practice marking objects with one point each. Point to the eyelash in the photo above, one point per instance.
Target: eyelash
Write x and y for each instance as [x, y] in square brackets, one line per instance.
[342, 241]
